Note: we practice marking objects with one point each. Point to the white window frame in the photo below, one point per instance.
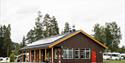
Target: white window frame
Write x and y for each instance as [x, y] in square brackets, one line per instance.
[78, 53]
[85, 51]
[82, 53]
[67, 52]
[70, 49]
[63, 53]
[89, 50]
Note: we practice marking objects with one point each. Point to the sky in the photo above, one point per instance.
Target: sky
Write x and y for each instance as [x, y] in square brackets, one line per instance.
[84, 14]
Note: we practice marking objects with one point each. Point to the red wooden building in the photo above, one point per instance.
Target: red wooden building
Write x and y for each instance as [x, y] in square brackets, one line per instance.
[74, 47]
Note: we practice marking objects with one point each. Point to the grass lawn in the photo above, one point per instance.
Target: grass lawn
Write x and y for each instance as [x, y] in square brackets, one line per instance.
[114, 61]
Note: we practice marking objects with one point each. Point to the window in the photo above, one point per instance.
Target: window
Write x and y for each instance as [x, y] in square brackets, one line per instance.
[65, 54]
[76, 53]
[68, 53]
[85, 53]
[82, 52]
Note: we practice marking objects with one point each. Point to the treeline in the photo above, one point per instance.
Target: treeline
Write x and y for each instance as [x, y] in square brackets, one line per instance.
[45, 26]
[5, 40]
[110, 35]
[6, 44]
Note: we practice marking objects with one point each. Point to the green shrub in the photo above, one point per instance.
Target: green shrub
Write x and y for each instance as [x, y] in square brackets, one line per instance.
[12, 57]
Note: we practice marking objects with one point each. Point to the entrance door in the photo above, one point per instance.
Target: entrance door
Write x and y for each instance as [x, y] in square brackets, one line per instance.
[93, 56]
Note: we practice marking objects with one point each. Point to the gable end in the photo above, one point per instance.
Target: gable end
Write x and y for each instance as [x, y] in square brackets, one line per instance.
[72, 34]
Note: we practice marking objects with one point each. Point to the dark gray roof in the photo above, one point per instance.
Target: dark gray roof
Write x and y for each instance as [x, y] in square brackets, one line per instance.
[44, 43]
[37, 46]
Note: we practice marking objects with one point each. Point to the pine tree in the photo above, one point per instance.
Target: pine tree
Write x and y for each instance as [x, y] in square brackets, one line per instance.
[99, 33]
[7, 39]
[50, 26]
[47, 25]
[2, 48]
[38, 27]
[30, 36]
[23, 43]
[36, 33]
[1, 33]
[54, 26]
